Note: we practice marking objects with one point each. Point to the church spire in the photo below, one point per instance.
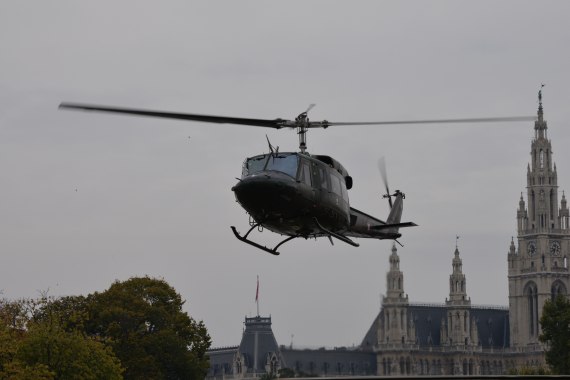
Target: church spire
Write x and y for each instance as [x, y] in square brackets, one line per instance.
[540, 110]
[542, 180]
[457, 281]
[540, 124]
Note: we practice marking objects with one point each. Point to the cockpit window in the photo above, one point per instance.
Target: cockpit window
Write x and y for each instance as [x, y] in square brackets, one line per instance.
[254, 165]
[283, 163]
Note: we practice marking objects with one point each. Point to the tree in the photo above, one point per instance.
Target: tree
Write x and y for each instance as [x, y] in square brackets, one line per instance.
[142, 320]
[555, 323]
[69, 355]
[35, 345]
[12, 335]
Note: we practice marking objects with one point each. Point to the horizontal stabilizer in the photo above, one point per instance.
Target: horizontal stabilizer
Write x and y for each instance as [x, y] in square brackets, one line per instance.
[393, 225]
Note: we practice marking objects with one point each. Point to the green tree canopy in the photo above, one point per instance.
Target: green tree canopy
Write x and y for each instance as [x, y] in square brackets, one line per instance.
[555, 323]
[135, 329]
[143, 321]
[69, 355]
[34, 345]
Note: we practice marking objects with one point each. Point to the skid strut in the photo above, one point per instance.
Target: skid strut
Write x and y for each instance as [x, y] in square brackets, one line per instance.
[336, 235]
[256, 245]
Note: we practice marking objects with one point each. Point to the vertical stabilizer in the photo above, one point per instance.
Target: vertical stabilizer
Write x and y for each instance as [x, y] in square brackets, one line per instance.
[396, 212]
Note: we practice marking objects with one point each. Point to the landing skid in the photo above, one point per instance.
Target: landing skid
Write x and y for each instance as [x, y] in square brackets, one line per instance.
[254, 244]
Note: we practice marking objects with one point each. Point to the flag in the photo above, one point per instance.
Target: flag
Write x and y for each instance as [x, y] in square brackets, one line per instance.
[257, 290]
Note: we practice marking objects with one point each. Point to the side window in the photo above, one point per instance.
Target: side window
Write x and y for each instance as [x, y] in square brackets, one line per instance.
[335, 184]
[305, 173]
[344, 191]
[323, 177]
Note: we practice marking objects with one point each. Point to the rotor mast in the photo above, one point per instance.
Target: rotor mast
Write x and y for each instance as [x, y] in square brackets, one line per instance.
[302, 122]
[301, 131]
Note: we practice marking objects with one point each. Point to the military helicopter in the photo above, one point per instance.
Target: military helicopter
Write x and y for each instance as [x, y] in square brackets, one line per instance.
[297, 194]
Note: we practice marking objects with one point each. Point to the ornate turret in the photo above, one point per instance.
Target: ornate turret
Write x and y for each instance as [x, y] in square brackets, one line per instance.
[459, 324]
[563, 212]
[457, 283]
[396, 325]
[522, 216]
[542, 180]
[395, 278]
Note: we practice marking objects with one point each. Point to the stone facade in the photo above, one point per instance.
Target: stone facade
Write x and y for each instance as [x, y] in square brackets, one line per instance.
[538, 270]
[454, 338]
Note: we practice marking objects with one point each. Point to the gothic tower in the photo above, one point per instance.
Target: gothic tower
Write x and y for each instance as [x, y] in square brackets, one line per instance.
[395, 326]
[538, 270]
[459, 329]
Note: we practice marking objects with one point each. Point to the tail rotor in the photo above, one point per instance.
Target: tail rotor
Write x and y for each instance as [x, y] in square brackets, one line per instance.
[383, 173]
[382, 168]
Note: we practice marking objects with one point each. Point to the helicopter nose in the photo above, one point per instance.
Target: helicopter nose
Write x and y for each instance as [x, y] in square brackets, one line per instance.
[264, 194]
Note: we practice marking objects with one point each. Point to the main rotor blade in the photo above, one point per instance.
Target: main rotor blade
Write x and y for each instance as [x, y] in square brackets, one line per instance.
[434, 121]
[276, 123]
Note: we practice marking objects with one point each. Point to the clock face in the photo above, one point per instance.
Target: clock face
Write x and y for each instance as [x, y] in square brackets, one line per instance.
[555, 248]
[531, 248]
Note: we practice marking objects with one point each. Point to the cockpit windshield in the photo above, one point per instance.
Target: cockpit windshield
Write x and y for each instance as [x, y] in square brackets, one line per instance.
[254, 165]
[281, 162]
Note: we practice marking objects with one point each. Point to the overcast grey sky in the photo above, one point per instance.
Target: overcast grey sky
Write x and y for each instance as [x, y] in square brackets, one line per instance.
[90, 198]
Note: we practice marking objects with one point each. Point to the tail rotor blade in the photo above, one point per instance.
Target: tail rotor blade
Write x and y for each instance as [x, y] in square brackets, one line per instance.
[382, 168]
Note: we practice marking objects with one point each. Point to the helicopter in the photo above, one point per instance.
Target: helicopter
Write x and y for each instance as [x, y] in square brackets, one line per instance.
[297, 194]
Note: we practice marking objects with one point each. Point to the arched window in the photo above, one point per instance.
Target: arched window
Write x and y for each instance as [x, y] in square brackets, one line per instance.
[541, 159]
[532, 303]
[557, 289]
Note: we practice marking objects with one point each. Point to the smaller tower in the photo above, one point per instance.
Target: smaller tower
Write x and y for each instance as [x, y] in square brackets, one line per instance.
[258, 352]
[459, 325]
[396, 326]
[522, 216]
[563, 212]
